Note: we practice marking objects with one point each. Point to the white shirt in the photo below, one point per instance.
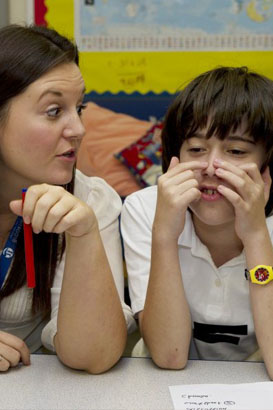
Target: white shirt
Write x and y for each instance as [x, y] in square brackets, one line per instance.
[15, 310]
[216, 296]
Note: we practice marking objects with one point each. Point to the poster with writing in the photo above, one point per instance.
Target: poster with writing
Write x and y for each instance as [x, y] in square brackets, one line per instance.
[160, 45]
[172, 25]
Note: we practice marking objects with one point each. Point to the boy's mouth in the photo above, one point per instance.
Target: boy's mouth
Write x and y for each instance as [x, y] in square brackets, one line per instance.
[209, 191]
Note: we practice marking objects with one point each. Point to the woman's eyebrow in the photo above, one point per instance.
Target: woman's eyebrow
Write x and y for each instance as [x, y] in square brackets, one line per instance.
[56, 93]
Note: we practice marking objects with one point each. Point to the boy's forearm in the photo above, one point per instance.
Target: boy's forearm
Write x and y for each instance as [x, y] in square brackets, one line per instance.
[259, 251]
[166, 324]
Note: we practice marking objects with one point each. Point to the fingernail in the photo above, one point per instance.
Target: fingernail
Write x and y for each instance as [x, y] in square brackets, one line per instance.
[218, 161]
[27, 220]
[219, 171]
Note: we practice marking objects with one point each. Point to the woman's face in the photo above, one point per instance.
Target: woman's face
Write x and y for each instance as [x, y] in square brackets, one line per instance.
[40, 137]
[237, 148]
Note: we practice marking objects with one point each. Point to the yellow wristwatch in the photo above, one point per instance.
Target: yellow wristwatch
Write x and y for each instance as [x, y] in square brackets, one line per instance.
[261, 274]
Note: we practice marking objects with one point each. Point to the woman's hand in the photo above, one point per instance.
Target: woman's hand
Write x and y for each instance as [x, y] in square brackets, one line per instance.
[177, 188]
[12, 351]
[52, 209]
[248, 192]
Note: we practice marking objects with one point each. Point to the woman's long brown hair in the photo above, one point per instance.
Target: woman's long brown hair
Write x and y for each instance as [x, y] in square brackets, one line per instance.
[26, 53]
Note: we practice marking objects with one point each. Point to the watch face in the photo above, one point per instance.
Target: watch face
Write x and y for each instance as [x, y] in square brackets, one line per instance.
[261, 274]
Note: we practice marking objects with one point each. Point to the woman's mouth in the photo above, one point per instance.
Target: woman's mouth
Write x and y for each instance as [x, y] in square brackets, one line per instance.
[69, 155]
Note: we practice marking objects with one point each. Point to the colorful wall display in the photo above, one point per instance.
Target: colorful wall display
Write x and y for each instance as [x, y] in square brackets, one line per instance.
[158, 45]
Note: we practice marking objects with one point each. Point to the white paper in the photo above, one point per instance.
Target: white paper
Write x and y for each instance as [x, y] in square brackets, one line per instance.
[248, 396]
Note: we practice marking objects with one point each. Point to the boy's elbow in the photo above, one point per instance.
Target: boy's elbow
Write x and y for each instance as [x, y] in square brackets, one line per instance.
[270, 371]
[170, 361]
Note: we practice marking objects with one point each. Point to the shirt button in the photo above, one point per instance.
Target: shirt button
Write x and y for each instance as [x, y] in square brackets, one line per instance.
[217, 283]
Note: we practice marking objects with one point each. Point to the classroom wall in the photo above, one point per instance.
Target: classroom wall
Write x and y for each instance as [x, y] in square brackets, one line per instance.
[20, 11]
[4, 16]
[163, 69]
[142, 71]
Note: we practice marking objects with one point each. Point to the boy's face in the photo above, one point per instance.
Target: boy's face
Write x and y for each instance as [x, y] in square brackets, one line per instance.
[239, 149]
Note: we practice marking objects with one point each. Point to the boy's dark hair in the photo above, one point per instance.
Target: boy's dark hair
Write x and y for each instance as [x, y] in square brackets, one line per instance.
[228, 95]
[26, 53]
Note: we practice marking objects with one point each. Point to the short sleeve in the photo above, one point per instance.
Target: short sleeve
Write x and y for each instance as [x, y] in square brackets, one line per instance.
[136, 227]
[106, 204]
[269, 222]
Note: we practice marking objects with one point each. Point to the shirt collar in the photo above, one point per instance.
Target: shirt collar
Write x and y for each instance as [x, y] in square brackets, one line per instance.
[189, 239]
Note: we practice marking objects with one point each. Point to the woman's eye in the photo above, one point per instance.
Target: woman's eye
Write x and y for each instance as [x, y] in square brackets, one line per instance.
[80, 108]
[53, 112]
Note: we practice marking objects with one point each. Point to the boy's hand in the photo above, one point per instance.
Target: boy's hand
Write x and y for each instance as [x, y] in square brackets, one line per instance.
[177, 188]
[249, 196]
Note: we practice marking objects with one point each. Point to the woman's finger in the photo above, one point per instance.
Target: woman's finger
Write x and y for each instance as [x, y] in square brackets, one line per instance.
[4, 364]
[15, 343]
[57, 212]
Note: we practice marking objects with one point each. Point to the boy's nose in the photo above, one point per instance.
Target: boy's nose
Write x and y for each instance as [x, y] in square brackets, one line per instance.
[210, 170]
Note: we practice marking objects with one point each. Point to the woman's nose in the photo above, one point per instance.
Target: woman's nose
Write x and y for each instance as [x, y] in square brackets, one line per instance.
[75, 128]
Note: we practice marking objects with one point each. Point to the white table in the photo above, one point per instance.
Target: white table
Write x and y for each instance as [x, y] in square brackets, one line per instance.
[134, 383]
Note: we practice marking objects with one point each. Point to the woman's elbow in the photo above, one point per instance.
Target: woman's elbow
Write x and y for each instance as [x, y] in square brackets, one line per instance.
[95, 360]
[93, 364]
[102, 366]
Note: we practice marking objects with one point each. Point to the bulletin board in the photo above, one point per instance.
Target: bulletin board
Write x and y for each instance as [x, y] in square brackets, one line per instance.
[159, 45]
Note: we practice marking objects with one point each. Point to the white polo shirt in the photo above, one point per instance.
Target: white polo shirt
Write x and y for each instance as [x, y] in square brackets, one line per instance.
[218, 297]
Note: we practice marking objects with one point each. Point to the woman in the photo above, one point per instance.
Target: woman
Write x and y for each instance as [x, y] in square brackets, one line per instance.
[41, 101]
[189, 240]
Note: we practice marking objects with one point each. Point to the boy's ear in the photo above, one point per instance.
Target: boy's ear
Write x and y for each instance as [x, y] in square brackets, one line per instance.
[263, 168]
[267, 183]
[265, 165]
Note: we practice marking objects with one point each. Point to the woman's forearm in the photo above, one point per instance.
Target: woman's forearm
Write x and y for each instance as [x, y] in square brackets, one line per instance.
[91, 331]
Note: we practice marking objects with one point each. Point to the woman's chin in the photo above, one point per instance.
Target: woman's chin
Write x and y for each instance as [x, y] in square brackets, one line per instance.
[60, 179]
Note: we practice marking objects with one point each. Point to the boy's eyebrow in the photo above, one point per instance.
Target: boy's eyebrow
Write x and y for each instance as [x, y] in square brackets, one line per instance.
[239, 138]
[230, 138]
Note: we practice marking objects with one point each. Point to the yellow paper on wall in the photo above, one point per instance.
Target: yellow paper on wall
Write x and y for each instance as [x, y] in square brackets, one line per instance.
[148, 71]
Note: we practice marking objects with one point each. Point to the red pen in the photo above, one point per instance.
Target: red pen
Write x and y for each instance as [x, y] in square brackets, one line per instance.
[29, 255]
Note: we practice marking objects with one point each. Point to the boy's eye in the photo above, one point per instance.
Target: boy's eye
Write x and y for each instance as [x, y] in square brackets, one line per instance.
[196, 149]
[53, 112]
[80, 108]
[236, 152]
